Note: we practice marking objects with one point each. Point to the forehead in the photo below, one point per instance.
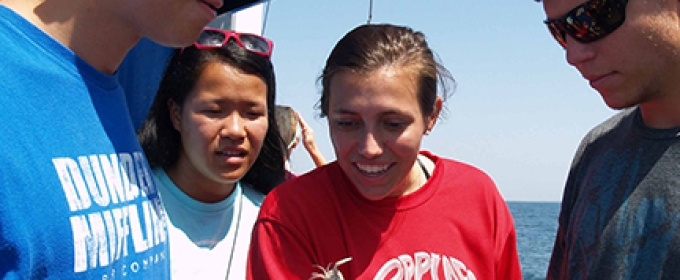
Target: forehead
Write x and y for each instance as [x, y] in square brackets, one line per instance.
[222, 81]
[385, 89]
[558, 8]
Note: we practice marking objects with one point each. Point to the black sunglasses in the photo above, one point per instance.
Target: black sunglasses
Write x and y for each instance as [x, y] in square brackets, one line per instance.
[588, 22]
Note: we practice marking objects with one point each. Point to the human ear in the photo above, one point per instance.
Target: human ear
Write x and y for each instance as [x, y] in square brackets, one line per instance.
[432, 119]
[175, 114]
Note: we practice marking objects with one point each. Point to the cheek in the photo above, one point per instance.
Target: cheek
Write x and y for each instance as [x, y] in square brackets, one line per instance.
[198, 131]
[342, 141]
[257, 131]
[407, 143]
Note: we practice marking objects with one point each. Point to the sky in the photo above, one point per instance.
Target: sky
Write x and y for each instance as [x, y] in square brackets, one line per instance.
[518, 112]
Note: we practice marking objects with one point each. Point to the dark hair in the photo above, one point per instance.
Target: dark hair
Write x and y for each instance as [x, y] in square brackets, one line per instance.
[370, 47]
[162, 143]
[287, 122]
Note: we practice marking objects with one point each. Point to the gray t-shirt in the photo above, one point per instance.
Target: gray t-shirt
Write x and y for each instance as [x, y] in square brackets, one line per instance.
[620, 213]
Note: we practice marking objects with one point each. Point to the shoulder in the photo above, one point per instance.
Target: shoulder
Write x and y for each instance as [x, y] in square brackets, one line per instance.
[313, 190]
[612, 124]
[616, 127]
[463, 180]
[252, 195]
[20, 60]
[310, 182]
[290, 175]
[454, 169]
[469, 188]
[13, 23]
[165, 186]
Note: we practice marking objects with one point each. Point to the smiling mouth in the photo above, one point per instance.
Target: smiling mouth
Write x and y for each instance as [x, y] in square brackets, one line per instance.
[373, 170]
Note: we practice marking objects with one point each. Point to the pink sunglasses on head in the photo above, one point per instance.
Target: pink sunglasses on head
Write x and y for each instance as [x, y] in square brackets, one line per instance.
[213, 38]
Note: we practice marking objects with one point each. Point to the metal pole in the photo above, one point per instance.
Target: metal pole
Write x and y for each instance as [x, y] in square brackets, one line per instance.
[370, 12]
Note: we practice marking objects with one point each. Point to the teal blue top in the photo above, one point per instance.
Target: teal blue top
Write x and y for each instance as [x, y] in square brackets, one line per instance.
[207, 240]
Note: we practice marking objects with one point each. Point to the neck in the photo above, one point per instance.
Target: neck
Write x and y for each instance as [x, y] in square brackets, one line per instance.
[662, 114]
[91, 29]
[198, 186]
[416, 178]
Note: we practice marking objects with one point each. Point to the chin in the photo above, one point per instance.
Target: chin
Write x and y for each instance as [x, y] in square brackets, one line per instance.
[617, 105]
[178, 39]
[231, 177]
[623, 99]
[372, 195]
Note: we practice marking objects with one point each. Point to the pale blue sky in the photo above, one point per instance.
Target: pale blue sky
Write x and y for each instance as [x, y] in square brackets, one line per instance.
[519, 110]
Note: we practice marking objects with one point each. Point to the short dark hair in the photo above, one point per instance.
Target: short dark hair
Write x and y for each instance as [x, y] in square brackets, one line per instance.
[369, 47]
[162, 143]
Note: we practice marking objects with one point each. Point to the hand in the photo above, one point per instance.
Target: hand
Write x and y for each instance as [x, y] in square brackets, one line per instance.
[309, 142]
[307, 133]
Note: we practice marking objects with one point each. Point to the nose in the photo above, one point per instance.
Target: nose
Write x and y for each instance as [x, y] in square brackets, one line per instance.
[369, 146]
[233, 127]
[577, 53]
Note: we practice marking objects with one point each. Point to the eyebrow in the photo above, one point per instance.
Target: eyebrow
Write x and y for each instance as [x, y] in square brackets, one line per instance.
[222, 101]
[388, 112]
[343, 111]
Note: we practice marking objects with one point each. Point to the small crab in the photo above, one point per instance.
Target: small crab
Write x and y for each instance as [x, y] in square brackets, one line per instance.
[328, 273]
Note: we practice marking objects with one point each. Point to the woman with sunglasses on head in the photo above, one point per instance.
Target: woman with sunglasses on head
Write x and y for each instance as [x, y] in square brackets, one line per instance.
[212, 141]
[385, 209]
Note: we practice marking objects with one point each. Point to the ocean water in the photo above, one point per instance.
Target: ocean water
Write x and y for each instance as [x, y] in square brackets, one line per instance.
[535, 225]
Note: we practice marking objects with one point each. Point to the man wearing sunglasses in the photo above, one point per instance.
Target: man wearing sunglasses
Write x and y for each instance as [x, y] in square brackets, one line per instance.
[620, 216]
[77, 200]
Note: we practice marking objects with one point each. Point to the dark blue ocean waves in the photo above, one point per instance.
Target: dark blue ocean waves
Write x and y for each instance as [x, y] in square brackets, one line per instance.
[535, 224]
